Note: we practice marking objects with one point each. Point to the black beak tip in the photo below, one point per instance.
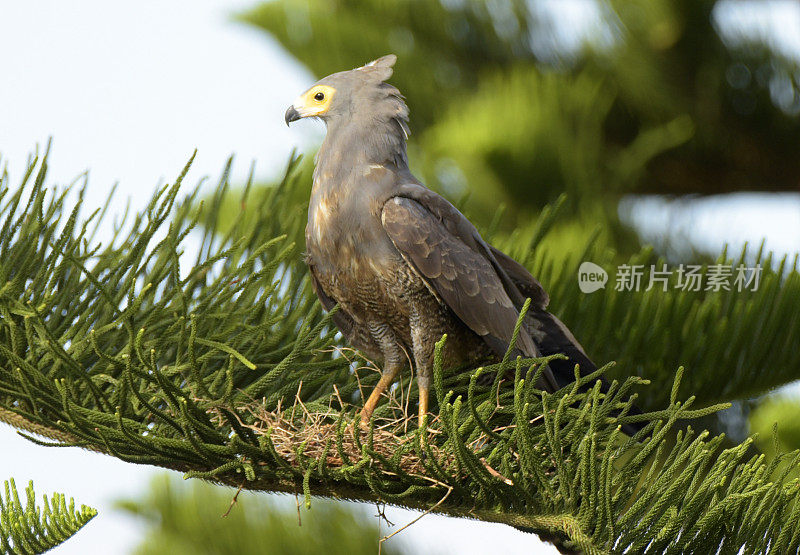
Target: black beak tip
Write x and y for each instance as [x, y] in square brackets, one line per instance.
[291, 115]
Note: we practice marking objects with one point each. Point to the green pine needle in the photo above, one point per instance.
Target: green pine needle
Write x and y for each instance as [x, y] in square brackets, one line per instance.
[228, 370]
[30, 529]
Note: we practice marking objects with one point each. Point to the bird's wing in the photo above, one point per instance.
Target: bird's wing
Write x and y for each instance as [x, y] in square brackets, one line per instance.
[522, 279]
[463, 278]
[516, 279]
[483, 286]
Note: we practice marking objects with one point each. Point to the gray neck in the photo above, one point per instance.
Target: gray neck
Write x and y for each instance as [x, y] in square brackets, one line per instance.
[351, 145]
[342, 189]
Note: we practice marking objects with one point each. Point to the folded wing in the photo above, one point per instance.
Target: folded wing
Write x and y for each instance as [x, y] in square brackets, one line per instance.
[461, 276]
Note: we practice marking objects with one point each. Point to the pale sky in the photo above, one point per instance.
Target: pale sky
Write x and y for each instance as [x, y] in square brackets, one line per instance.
[128, 90]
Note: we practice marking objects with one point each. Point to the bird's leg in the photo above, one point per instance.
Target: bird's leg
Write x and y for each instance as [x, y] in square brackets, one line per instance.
[388, 375]
[423, 342]
[424, 386]
[393, 361]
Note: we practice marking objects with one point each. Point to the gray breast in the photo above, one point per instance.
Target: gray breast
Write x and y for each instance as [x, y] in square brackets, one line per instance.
[344, 230]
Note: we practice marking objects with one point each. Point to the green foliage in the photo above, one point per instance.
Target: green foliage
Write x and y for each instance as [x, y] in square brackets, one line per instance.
[30, 529]
[228, 371]
[456, 42]
[672, 57]
[552, 144]
[503, 112]
[780, 411]
[651, 333]
[188, 519]
[722, 337]
[661, 99]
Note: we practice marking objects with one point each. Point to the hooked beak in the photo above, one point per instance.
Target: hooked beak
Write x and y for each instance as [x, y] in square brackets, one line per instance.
[291, 115]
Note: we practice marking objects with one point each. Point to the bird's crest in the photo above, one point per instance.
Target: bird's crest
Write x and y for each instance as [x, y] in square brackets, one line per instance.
[381, 68]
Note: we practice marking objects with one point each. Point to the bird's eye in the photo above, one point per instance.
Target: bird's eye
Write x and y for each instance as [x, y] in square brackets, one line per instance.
[319, 97]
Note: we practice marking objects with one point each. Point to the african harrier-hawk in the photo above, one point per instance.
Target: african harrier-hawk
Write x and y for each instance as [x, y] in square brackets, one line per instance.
[403, 264]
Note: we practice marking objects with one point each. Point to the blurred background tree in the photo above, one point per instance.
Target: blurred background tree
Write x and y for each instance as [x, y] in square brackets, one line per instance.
[656, 99]
[509, 112]
[187, 518]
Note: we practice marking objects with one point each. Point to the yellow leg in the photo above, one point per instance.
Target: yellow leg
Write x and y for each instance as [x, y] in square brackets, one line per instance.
[423, 405]
[424, 385]
[387, 377]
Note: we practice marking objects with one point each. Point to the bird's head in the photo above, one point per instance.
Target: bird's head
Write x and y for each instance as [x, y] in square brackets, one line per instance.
[361, 91]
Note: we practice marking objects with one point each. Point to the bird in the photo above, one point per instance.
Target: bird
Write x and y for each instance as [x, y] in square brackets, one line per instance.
[404, 265]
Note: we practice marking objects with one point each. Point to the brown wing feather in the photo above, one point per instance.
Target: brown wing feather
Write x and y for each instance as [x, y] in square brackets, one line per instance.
[463, 278]
[522, 279]
[447, 250]
[516, 279]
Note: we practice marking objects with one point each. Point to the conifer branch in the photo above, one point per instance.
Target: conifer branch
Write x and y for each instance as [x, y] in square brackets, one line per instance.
[29, 529]
[223, 370]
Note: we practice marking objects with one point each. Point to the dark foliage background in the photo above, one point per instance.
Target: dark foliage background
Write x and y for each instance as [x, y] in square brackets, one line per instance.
[508, 115]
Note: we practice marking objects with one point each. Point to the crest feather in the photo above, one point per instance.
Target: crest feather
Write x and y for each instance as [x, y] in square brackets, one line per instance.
[384, 61]
[382, 67]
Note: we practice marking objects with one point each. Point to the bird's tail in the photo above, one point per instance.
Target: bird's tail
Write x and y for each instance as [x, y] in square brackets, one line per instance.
[553, 337]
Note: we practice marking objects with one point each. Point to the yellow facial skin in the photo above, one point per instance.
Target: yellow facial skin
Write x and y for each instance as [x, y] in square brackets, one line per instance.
[315, 101]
